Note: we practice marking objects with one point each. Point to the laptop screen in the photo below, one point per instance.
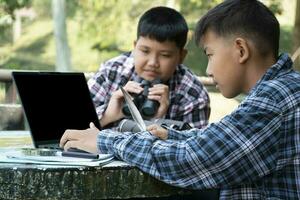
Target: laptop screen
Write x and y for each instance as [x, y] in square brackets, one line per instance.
[54, 102]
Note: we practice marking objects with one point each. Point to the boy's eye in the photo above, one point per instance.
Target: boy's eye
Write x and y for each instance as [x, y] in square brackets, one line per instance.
[166, 55]
[145, 51]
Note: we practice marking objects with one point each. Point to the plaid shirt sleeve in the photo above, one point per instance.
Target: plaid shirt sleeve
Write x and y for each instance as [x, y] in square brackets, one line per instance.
[224, 153]
[110, 76]
[98, 85]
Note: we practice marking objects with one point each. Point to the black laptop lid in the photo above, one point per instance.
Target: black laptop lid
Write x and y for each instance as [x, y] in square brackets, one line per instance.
[54, 102]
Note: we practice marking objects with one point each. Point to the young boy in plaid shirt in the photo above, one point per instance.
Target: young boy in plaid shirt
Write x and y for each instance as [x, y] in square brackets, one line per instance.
[158, 54]
[252, 153]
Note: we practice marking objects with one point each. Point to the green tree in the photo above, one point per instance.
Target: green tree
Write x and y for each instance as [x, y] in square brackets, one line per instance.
[7, 16]
[9, 6]
[111, 24]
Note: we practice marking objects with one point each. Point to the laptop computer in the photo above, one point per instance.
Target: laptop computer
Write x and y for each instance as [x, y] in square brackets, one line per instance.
[54, 102]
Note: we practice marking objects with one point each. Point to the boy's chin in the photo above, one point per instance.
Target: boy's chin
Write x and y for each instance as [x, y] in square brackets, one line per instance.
[228, 94]
[148, 78]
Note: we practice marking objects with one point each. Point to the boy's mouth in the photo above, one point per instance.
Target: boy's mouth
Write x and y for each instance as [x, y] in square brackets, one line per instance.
[216, 84]
[151, 72]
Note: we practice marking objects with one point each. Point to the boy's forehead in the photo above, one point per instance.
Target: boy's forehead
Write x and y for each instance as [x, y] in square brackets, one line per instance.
[211, 37]
[153, 39]
[146, 41]
[208, 37]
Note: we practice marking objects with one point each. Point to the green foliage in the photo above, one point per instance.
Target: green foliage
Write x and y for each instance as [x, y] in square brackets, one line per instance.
[275, 6]
[98, 30]
[196, 60]
[34, 50]
[194, 9]
[9, 6]
[285, 42]
[44, 10]
[112, 24]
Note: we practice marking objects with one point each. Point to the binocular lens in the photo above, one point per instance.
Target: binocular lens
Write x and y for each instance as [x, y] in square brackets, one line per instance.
[149, 108]
[126, 110]
[148, 112]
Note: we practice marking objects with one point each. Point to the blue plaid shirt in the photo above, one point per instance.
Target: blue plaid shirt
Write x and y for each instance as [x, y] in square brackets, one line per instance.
[253, 153]
[189, 101]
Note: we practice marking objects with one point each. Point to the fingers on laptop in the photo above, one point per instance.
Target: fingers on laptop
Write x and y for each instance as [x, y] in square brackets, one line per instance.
[68, 135]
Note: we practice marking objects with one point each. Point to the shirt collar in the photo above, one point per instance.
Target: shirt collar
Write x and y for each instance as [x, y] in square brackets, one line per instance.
[283, 64]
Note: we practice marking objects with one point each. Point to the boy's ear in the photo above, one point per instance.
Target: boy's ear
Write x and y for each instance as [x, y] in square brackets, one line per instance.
[242, 49]
[183, 54]
[134, 43]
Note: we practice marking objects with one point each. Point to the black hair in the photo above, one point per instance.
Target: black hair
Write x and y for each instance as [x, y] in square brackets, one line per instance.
[163, 24]
[248, 18]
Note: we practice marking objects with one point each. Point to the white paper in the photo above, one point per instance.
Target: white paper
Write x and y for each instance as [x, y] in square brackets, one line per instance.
[19, 157]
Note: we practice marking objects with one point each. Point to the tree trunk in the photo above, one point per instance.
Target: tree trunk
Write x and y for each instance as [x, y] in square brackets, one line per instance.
[62, 48]
[17, 27]
[296, 36]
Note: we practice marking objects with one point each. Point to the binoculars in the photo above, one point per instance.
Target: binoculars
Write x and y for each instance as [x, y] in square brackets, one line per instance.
[147, 107]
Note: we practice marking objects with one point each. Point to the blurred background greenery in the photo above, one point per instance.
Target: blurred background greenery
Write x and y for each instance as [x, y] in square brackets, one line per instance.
[98, 30]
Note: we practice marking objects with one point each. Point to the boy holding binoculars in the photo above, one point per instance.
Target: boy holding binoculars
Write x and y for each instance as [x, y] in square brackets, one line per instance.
[158, 54]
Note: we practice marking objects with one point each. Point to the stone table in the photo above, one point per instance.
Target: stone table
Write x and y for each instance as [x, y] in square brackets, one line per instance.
[116, 180]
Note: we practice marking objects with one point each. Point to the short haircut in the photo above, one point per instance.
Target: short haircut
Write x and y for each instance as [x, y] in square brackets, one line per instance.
[163, 24]
[248, 18]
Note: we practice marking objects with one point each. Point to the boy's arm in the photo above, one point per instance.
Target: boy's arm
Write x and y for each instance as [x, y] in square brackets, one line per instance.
[239, 149]
[183, 135]
[99, 89]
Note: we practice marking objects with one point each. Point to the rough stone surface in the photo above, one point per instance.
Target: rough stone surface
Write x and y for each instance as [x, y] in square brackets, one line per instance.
[113, 181]
[11, 117]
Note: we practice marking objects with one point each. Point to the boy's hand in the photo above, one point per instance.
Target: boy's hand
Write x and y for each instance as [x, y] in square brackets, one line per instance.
[81, 139]
[158, 131]
[160, 93]
[113, 111]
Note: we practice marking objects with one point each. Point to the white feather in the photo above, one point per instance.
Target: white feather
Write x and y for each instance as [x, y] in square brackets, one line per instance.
[137, 117]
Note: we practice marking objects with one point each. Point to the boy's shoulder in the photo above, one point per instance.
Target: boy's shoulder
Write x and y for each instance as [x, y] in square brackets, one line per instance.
[120, 63]
[283, 91]
[279, 78]
[287, 83]
[121, 66]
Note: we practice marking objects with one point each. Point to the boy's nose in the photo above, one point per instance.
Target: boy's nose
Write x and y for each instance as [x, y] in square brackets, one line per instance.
[153, 61]
[208, 71]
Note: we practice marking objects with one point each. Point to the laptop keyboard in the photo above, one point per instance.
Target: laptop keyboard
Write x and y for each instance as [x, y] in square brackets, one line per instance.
[52, 148]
